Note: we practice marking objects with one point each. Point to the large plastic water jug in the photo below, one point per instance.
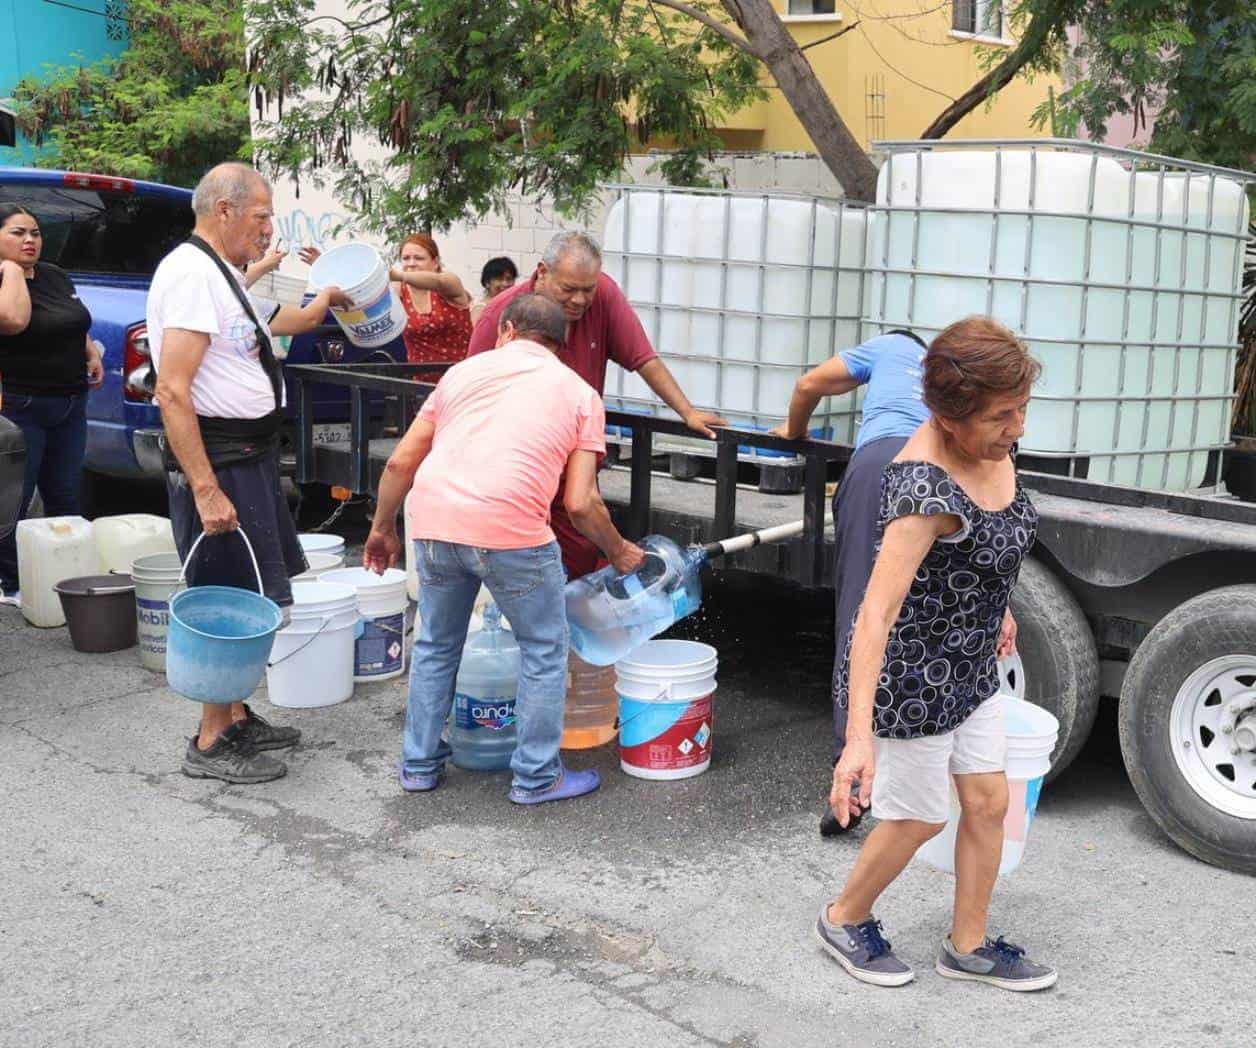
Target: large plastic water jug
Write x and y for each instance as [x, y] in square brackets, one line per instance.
[482, 722]
[610, 614]
[51, 549]
[122, 540]
[592, 705]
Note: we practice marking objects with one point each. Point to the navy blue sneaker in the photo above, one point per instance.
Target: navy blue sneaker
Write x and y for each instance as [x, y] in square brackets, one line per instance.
[413, 782]
[862, 950]
[998, 962]
[568, 784]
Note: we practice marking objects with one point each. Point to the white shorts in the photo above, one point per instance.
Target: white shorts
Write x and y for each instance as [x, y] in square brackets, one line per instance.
[913, 776]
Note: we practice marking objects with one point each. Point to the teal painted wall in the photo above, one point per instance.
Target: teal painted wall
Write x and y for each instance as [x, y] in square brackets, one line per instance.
[36, 33]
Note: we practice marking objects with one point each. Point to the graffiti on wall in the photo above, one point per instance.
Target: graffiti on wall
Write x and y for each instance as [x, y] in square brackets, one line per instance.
[300, 229]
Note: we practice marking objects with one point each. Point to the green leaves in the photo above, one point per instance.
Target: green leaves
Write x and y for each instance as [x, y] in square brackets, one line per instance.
[463, 103]
[170, 106]
[1189, 67]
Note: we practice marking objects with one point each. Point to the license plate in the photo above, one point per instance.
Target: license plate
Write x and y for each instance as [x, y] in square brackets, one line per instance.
[331, 434]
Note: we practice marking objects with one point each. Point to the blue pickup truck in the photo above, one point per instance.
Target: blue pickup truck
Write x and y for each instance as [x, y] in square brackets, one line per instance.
[109, 234]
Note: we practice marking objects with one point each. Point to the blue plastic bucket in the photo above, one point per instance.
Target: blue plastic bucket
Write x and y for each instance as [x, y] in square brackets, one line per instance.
[219, 638]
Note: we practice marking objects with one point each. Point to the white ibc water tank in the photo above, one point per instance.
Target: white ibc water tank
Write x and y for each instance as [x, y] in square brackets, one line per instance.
[754, 289]
[1122, 279]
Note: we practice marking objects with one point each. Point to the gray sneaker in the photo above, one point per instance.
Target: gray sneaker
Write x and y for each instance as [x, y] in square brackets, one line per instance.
[863, 951]
[1000, 963]
[232, 758]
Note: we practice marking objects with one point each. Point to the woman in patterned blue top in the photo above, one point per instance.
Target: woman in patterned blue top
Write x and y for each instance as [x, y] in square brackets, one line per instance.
[919, 678]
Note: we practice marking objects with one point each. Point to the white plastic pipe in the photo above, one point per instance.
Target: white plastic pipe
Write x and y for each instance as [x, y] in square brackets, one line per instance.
[778, 533]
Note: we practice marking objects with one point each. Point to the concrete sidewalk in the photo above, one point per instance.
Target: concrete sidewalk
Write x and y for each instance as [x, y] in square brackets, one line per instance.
[144, 908]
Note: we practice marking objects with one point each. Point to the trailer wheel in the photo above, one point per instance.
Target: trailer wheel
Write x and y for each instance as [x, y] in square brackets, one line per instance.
[1059, 665]
[1188, 726]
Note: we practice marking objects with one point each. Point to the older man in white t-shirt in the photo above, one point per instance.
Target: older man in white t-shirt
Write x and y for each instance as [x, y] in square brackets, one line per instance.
[221, 397]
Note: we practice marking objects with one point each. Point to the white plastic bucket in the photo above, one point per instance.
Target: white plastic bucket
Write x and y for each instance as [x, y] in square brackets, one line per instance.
[314, 542]
[312, 662]
[319, 564]
[156, 577]
[376, 317]
[1031, 735]
[380, 652]
[666, 694]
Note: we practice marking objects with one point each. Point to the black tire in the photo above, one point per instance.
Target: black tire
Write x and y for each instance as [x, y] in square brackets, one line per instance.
[1210, 626]
[1060, 660]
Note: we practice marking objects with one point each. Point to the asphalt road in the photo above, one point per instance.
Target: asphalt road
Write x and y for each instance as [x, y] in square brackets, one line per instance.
[143, 908]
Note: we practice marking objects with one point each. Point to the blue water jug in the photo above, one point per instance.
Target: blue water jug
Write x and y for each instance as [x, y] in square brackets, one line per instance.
[610, 614]
[482, 722]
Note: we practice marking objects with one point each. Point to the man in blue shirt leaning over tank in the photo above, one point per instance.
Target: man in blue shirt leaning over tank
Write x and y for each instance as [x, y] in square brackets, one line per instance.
[893, 409]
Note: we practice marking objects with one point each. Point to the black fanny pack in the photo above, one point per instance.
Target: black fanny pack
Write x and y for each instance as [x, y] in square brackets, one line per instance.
[231, 440]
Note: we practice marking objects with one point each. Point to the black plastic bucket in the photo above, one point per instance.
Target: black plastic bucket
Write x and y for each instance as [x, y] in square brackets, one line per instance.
[100, 611]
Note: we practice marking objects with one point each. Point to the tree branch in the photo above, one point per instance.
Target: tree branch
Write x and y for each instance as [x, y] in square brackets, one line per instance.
[831, 36]
[1053, 16]
[739, 42]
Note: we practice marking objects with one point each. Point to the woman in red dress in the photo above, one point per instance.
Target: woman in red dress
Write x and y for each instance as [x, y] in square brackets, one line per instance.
[438, 308]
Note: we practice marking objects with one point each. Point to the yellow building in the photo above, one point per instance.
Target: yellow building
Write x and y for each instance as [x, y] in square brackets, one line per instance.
[899, 66]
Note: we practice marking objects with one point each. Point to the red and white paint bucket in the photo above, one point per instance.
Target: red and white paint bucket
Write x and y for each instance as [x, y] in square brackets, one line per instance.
[666, 698]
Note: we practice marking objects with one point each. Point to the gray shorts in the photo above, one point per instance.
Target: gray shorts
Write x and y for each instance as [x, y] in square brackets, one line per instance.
[223, 560]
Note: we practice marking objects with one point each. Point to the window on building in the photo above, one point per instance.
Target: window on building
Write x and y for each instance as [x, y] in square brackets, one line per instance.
[812, 7]
[979, 17]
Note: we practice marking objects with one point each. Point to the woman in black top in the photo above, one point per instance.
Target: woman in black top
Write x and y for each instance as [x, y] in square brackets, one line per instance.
[47, 364]
[919, 676]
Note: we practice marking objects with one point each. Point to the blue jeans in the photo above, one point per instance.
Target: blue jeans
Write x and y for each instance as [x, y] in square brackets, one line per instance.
[55, 428]
[527, 585]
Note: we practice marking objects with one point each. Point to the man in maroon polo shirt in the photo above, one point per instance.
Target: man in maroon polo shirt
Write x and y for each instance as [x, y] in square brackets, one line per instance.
[601, 326]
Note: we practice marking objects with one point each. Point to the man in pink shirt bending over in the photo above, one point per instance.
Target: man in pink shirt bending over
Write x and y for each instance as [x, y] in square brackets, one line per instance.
[481, 464]
[601, 326]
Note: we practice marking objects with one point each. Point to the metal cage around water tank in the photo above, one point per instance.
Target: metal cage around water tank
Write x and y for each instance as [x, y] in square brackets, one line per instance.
[740, 294]
[1121, 269]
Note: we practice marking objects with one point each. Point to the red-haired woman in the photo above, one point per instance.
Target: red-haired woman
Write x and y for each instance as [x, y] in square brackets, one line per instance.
[438, 307]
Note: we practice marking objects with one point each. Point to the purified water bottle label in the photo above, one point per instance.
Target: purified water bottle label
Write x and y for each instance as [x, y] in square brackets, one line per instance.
[493, 713]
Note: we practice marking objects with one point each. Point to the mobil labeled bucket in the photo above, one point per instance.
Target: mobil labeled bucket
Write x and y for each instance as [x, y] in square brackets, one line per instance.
[380, 652]
[156, 578]
[666, 698]
[1031, 735]
[376, 316]
[219, 637]
[311, 664]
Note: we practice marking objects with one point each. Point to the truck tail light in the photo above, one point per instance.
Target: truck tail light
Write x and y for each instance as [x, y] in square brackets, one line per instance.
[139, 378]
[78, 180]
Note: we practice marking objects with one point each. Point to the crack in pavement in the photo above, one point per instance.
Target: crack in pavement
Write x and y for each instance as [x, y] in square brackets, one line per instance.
[151, 778]
[576, 946]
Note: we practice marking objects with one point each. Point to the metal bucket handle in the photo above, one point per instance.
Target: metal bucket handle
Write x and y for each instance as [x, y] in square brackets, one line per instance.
[313, 637]
[247, 545]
